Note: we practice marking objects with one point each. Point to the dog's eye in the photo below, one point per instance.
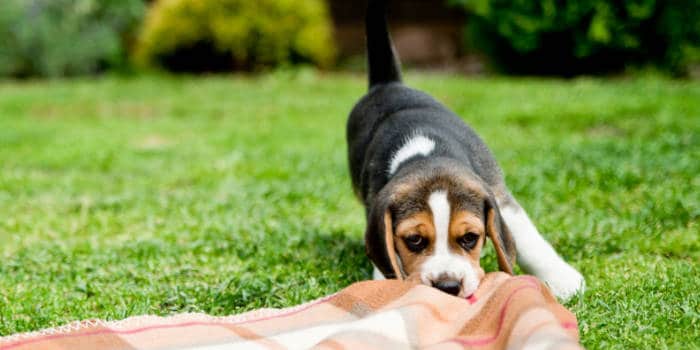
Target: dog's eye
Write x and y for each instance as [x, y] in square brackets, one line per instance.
[415, 243]
[468, 241]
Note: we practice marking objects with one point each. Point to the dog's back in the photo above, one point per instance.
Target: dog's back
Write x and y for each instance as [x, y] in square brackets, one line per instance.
[390, 114]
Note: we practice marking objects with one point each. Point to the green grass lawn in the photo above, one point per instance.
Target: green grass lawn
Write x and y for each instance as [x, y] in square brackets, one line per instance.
[159, 195]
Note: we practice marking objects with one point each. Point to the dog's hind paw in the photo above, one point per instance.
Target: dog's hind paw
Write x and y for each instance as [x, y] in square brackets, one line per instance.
[565, 282]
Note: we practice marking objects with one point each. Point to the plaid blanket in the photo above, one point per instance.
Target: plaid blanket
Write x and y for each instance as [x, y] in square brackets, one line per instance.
[505, 312]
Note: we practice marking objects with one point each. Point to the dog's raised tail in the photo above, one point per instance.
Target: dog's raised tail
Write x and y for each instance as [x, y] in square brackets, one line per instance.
[382, 62]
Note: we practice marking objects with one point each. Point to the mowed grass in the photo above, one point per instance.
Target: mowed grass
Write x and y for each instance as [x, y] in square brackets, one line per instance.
[159, 195]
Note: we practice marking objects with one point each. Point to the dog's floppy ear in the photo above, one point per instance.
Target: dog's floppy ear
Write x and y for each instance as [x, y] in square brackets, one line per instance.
[500, 236]
[379, 238]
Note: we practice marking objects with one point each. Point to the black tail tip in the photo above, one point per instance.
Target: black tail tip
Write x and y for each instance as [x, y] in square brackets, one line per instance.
[383, 63]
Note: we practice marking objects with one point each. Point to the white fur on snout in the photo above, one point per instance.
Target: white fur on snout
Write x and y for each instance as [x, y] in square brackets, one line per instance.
[450, 267]
[443, 264]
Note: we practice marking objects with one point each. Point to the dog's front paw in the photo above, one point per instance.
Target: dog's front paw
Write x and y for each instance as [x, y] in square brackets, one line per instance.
[565, 282]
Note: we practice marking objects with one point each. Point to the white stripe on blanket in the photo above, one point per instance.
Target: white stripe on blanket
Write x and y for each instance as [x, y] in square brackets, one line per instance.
[390, 324]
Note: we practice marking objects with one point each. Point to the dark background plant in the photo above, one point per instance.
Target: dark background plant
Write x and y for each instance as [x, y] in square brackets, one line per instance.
[592, 36]
[65, 37]
[225, 35]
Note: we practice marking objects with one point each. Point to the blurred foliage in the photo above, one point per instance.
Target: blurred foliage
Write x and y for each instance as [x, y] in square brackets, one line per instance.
[591, 36]
[65, 37]
[218, 35]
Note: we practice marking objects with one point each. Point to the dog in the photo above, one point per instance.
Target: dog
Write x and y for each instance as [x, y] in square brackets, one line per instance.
[431, 188]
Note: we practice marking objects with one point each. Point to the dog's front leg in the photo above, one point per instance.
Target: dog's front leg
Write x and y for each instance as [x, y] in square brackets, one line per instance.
[536, 255]
[376, 274]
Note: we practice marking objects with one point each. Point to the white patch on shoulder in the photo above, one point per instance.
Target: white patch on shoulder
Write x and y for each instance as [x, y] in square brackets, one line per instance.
[417, 144]
[443, 264]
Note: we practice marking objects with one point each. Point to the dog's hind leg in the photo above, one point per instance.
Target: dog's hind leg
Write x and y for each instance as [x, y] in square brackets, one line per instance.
[536, 255]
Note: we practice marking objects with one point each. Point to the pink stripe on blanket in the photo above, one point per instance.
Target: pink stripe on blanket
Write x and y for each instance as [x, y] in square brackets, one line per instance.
[569, 325]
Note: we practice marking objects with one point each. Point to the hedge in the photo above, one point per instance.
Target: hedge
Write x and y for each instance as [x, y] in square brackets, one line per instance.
[65, 37]
[588, 36]
[219, 35]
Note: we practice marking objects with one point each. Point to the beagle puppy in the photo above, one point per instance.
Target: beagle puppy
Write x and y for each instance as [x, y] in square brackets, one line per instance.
[432, 190]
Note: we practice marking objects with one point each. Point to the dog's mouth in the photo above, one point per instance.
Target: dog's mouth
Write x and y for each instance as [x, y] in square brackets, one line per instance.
[461, 283]
[459, 288]
[468, 291]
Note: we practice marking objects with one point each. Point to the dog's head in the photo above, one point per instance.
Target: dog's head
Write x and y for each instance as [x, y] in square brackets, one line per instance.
[430, 227]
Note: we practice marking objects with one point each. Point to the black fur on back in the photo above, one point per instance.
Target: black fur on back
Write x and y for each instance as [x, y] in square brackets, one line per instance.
[391, 112]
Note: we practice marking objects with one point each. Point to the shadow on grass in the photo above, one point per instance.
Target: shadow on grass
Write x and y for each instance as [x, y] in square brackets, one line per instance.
[305, 267]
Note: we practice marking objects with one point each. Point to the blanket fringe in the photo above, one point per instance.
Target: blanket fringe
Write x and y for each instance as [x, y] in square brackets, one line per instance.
[136, 322]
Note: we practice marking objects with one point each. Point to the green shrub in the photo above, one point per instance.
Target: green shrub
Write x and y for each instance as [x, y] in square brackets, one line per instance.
[64, 37]
[589, 36]
[197, 35]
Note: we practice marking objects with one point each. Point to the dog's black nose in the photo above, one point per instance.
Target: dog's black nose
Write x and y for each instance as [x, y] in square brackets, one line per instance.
[448, 286]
